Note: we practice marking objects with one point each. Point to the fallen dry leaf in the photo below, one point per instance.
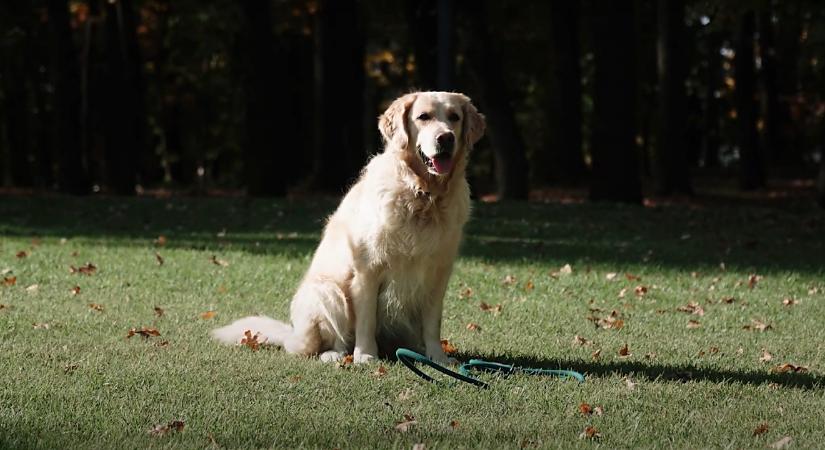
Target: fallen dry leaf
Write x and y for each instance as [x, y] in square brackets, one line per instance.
[159, 258]
[610, 276]
[473, 327]
[218, 262]
[640, 290]
[404, 425]
[346, 361]
[623, 292]
[33, 288]
[757, 325]
[727, 300]
[509, 280]
[789, 302]
[651, 355]
[612, 321]
[762, 428]
[752, 280]
[380, 371]
[784, 368]
[454, 424]
[160, 241]
[585, 409]
[251, 341]
[40, 326]
[146, 332]
[529, 286]
[782, 443]
[447, 347]
[581, 341]
[631, 277]
[467, 292]
[766, 356]
[88, 269]
[75, 290]
[590, 433]
[22, 254]
[692, 308]
[96, 307]
[164, 429]
[598, 410]
[624, 352]
[159, 311]
[9, 281]
[493, 309]
[2, 306]
[693, 324]
[631, 385]
[207, 315]
[596, 355]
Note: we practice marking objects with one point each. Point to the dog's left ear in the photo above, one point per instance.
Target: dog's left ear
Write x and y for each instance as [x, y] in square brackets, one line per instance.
[393, 123]
[474, 124]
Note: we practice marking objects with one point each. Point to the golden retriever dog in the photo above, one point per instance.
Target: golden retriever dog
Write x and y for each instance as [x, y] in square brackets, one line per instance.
[378, 277]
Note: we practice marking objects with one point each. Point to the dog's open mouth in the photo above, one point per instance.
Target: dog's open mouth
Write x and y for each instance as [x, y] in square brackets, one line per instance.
[439, 164]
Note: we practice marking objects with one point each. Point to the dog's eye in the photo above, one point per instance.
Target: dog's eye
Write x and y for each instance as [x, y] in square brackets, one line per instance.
[423, 117]
[453, 117]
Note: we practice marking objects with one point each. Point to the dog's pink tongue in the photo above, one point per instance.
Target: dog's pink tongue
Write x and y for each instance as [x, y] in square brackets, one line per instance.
[443, 165]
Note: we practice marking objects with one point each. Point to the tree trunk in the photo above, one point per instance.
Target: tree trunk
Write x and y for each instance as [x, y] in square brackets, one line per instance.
[615, 171]
[14, 87]
[787, 58]
[72, 173]
[775, 144]
[485, 68]
[567, 160]
[673, 174]
[751, 174]
[446, 49]
[422, 23]
[340, 93]
[269, 149]
[713, 83]
[820, 182]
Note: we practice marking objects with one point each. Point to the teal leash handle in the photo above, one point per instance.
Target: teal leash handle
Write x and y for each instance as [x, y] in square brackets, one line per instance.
[509, 369]
[409, 357]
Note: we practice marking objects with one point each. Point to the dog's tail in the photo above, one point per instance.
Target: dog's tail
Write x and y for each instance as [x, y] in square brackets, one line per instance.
[270, 331]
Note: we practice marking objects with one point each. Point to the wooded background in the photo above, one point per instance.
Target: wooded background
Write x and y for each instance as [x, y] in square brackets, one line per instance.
[626, 98]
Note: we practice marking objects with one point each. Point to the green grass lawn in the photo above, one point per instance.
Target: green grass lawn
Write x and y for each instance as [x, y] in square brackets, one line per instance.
[70, 377]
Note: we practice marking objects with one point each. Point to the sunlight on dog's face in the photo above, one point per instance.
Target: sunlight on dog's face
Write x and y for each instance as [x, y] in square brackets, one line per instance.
[435, 127]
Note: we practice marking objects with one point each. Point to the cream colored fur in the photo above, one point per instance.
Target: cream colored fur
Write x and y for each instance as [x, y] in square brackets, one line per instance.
[378, 278]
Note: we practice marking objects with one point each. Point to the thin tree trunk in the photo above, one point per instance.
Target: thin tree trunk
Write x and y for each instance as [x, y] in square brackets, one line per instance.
[673, 175]
[341, 85]
[567, 161]
[751, 173]
[767, 51]
[422, 23]
[266, 160]
[72, 175]
[16, 110]
[787, 58]
[446, 48]
[485, 67]
[615, 172]
[713, 83]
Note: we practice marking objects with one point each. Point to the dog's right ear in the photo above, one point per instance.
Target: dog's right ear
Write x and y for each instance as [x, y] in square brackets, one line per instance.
[393, 123]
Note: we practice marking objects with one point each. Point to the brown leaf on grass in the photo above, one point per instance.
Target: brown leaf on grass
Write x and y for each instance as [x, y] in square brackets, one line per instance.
[585, 409]
[693, 324]
[41, 326]
[380, 371]
[762, 428]
[622, 293]
[454, 424]
[581, 341]
[509, 280]
[467, 292]
[631, 277]
[346, 361]
[146, 332]
[75, 290]
[624, 352]
[782, 443]
[88, 269]
[159, 258]
[404, 425]
[32, 289]
[651, 355]
[752, 280]
[692, 308]
[2, 306]
[496, 310]
[250, 340]
[727, 300]
[447, 347]
[529, 286]
[159, 311]
[9, 281]
[766, 356]
[789, 302]
[596, 355]
[598, 410]
[160, 241]
[785, 368]
[590, 432]
[162, 344]
[96, 307]
[206, 315]
[21, 254]
[164, 429]
[218, 262]
[640, 291]
[473, 327]
[757, 325]
[611, 276]
[610, 322]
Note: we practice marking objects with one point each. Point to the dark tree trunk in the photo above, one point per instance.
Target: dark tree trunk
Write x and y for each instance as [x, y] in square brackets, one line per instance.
[615, 171]
[72, 173]
[751, 174]
[775, 143]
[672, 174]
[270, 139]
[124, 115]
[710, 120]
[341, 45]
[15, 90]
[820, 182]
[485, 67]
[787, 84]
[422, 23]
[446, 48]
[566, 110]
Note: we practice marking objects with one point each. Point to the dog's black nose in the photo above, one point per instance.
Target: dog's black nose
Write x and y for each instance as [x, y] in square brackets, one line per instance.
[446, 142]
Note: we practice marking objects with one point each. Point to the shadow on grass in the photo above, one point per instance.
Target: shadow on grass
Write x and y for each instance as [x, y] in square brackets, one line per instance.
[654, 372]
[672, 236]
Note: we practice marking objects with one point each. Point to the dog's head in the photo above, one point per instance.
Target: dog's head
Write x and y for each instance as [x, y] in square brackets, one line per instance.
[433, 129]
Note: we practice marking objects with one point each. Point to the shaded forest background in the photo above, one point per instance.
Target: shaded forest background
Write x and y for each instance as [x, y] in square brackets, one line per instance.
[625, 99]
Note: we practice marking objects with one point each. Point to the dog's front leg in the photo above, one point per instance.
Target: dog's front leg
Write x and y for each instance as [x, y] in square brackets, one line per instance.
[364, 294]
[431, 324]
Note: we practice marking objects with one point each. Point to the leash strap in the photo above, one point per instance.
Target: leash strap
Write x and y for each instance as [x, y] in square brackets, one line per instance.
[409, 358]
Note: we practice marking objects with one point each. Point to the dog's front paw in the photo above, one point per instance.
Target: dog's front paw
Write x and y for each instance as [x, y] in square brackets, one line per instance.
[331, 356]
[362, 357]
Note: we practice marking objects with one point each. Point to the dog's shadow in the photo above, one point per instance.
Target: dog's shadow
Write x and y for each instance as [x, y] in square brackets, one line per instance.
[656, 372]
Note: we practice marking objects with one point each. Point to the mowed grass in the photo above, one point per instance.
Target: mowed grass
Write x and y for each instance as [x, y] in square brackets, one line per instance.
[70, 377]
